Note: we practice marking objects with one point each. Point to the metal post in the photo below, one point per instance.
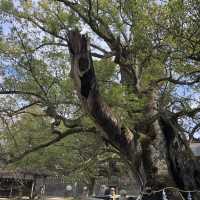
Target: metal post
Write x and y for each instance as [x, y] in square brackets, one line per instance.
[32, 189]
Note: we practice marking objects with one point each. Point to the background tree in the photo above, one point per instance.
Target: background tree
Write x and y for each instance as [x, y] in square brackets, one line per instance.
[148, 55]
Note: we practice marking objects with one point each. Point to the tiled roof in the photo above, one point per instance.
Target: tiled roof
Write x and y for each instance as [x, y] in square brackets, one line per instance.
[27, 175]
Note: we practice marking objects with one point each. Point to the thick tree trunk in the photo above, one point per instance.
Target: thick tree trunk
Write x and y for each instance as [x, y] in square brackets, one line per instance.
[167, 160]
[158, 153]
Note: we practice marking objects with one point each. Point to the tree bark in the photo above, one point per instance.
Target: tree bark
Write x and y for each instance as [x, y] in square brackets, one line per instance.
[167, 159]
[91, 185]
[82, 72]
[158, 153]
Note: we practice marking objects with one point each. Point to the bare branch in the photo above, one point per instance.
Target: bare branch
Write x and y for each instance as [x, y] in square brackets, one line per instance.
[50, 44]
[30, 64]
[12, 92]
[189, 113]
[193, 131]
[20, 110]
[94, 21]
[99, 48]
[44, 29]
[182, 82]
[108, 55]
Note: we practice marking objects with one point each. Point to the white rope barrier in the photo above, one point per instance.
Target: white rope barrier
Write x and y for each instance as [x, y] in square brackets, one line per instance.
[189, 197]
[164, 194]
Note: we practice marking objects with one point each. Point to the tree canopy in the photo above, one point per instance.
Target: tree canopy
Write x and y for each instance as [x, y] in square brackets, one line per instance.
[139, 48]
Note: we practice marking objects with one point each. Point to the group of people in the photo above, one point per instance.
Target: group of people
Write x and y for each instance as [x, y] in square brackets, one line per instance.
[110, 193]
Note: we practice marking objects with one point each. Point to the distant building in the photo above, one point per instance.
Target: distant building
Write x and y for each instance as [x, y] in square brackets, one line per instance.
[21, 183]
[31, 183]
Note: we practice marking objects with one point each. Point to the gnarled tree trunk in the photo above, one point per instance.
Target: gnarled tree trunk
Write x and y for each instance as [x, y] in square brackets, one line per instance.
[158, 153]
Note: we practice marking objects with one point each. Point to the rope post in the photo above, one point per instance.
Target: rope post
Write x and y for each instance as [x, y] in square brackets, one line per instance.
[164, 195]
[189, 196]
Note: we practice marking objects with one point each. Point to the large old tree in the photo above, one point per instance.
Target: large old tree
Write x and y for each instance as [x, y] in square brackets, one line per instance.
[136, 78]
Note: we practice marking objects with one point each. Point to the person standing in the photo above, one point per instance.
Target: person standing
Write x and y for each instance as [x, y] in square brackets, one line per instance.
[123, 195]
[113, 195]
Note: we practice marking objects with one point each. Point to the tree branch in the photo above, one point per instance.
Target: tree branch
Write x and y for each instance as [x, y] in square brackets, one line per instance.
[50, 44]
[44, 29]
[104, 56]
[12, 92]
[53, 141]
[30, 65]
[13, 112]
[195, 56]
[189, 113]
[104, 32]
[178, 81]
[99, 48]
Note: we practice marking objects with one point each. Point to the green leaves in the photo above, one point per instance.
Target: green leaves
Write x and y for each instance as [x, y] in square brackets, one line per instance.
[6, 5]
[105, 70]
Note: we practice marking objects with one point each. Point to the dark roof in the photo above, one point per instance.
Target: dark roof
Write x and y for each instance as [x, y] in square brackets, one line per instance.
[20, 174]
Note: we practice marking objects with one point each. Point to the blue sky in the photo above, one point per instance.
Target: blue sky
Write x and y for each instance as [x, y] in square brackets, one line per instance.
[6, 28]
